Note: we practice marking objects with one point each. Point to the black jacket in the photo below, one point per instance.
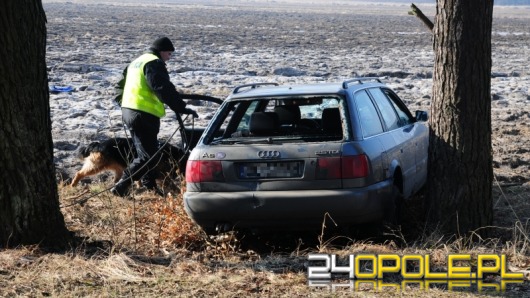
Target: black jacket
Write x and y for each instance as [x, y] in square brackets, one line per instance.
[158, 80]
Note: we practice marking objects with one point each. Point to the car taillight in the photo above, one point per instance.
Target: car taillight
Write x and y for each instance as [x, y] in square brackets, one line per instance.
[346, 167]
[204, 171]
[354, 166]
[328, 168]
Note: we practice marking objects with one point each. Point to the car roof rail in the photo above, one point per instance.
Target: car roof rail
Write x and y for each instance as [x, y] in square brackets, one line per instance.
[346, 83]
[252, 86]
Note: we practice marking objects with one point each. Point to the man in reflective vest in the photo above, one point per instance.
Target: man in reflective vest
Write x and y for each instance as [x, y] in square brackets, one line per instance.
[147, 88]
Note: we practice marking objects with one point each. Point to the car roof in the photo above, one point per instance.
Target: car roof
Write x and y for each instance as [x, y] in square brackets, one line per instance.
[272, 89]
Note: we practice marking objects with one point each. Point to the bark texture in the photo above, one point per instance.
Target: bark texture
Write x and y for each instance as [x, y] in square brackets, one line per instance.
[460, 165]
[29, 204]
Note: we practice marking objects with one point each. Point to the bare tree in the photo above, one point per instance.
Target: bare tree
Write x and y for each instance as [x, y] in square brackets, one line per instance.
[29, 204]
[460, 165]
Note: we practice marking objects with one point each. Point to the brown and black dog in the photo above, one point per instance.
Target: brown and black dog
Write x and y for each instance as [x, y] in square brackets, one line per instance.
[116, 153]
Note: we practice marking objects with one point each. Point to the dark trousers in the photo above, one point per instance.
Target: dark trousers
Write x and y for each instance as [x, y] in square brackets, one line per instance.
[144, 129]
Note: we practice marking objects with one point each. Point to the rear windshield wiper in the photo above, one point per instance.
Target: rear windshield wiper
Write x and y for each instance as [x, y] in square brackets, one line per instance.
[243, 141]
[268, 140]
[223, 141]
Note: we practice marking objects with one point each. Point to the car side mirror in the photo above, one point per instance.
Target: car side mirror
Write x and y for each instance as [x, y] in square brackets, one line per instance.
[422, 116]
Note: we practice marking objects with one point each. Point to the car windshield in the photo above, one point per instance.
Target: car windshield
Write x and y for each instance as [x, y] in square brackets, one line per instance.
[278, 120]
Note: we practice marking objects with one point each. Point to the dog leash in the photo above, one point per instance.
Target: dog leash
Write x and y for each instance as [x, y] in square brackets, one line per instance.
[183, 136]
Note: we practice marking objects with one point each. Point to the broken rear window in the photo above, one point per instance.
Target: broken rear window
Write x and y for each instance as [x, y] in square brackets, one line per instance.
[308, 119]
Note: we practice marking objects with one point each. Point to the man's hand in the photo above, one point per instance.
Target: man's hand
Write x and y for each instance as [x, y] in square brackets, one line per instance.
[190, 112]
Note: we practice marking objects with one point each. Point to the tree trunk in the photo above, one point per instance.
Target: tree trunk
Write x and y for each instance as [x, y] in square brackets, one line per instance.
[29, 204]
[460, 155]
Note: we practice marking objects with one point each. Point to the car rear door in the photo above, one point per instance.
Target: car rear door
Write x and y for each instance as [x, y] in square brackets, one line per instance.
[369, 130]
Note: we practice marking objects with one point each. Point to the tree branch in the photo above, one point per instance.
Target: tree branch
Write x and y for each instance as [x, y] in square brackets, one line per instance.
[417, 12]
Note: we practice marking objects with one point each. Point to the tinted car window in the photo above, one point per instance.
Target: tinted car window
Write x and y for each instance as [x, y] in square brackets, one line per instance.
[386, 108]
[370, 122]
[403, 113]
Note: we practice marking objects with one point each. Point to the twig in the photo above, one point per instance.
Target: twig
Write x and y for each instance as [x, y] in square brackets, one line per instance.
[79, 195]
[417, 12]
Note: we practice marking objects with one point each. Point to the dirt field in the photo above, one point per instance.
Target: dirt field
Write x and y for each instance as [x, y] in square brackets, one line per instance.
[221, 46]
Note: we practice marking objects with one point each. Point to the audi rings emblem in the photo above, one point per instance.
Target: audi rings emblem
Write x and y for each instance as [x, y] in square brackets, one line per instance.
[269, 154]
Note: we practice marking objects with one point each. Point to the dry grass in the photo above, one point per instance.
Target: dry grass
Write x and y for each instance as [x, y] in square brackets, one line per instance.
[148, 247]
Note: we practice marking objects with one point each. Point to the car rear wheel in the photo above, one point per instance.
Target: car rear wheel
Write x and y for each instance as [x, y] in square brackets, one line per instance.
[393, 208]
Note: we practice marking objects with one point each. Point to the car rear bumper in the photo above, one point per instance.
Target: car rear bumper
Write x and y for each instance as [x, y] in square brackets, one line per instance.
[292, 210]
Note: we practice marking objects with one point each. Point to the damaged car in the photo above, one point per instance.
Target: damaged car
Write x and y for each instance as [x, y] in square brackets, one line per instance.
[285, 157]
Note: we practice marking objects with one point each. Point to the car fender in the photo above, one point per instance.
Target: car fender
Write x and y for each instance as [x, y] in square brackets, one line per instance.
[393, 170]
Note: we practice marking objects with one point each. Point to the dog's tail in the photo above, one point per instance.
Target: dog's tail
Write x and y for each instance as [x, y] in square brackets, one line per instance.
[84, 151]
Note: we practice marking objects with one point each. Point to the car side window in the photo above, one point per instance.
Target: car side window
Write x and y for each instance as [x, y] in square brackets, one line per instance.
[386, 108]
[405, 117]
[370, 122]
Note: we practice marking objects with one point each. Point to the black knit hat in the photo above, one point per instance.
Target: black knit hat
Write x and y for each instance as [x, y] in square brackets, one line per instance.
[163, 44]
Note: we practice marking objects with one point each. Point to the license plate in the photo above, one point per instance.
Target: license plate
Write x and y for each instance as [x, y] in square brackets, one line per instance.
[276, 169]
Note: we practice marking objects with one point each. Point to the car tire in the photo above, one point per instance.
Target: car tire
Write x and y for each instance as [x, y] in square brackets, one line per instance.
[393, 209]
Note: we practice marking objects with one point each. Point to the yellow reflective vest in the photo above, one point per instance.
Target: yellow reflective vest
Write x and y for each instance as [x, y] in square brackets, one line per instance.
[137, 95]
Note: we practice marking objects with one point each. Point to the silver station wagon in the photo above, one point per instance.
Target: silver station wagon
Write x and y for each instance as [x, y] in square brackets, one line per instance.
[285, 157]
